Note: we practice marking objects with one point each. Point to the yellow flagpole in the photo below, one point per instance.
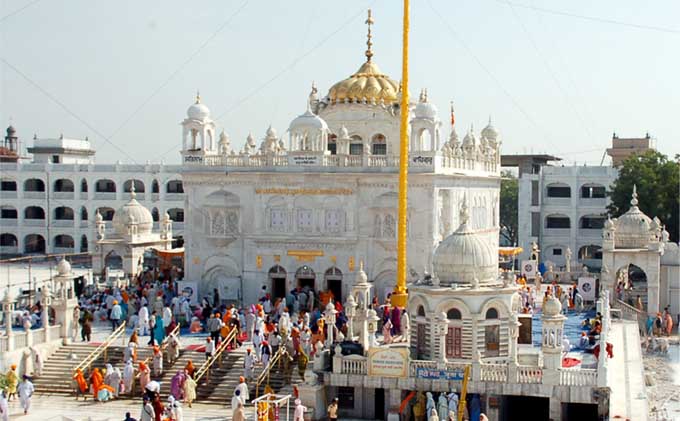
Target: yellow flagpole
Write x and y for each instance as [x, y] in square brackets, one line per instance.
[399, 296]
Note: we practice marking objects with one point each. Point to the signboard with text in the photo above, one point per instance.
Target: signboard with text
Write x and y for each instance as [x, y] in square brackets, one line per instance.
[455, 374]
[388, 362]
[305, 160]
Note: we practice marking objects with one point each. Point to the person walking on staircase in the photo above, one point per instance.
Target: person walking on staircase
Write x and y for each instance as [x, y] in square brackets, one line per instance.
[243, 387]
[248, 364]
[116, 314]
[26, 390]
[148, 413]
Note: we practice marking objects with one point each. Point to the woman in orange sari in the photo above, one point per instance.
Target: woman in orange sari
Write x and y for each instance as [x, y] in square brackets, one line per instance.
[144, 375]
[96, 380]
[82, 384]
[190, 369]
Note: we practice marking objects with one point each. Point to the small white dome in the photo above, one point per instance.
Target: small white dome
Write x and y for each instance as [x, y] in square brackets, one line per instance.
[426, 110]
[307, 122]
[465, 255]
[132, 212]
[198, 110]
[489, 132]
[271, 132]
[63, 267]
[552, 307]
[361, 278]
[224, 138]
[469, 140]
[633, 227]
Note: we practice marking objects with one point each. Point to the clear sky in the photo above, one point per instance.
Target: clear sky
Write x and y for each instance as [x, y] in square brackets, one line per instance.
[555, 76]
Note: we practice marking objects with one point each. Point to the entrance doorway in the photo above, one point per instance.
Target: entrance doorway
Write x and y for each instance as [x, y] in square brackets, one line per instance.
[306, 278]
[379, 404]
[277, 276]
[333, 277]
[515, 408]
[579, 411]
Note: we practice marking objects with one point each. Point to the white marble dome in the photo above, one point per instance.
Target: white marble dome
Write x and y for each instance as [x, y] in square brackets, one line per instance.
[198, 110]
[466, 256]
[308, 122]
[425, 109]
[63, 267]
[552, 307]
[633, 227]
[489, 132]
[132, 212]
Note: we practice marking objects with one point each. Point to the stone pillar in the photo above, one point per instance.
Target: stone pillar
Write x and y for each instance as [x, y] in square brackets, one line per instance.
[46, 302]
[441, 325]
[8, 308]
[329, 317]
[394, 400]
[555, 410]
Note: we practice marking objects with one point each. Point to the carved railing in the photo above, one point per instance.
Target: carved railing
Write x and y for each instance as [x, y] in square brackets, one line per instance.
[356, 365]
[578, 377]
[204, 370]
[629, 312]
[494, 372]
[414, 365]
[529, 374]
[101, 349]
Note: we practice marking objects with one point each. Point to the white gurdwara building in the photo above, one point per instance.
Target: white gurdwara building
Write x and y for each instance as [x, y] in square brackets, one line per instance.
[305, 208]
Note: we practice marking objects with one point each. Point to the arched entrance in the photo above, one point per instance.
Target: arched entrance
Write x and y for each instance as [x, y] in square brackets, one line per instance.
[333, 278]
[634, 280]
[113, 260]
[305, 277]
[277, 277]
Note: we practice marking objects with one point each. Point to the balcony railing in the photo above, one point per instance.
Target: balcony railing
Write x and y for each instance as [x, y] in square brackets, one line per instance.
[34, 222]
[8, 222]
[105, 196]
[83, 196]
[34, 195]
[9, 250]
[8, 195]
[63, 223]
[174, 196]
[63, 195]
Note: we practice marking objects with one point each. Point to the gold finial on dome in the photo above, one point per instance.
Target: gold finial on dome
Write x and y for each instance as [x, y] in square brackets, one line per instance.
[198, 97]
[464, 215]
[634, 200]
[369, 22]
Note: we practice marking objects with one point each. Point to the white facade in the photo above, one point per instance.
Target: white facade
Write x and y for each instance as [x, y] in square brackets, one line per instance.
[51, 207]
[304, 211]
[564, 208]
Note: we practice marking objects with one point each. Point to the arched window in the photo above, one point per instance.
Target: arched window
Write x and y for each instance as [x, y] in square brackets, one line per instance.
[63, 213]
[592, 222]
[83, 243]
[105, 186]
[425, 138]
[83, 214]
[8, 240]
[64, 241]
[557, 221]
[421, 311]
[34, 212]
[139, 186]
[154, 187]
[83, 186]
[174, 186]
[454, 314]
[356, 145]
[590, 252]
[8, 212]
[34, 184]
[333, 143]
[593, 191]
[8, 185]
[176, 214]
[379, 145]
[558, 190]
[34, 243]
[491, 313]
[106, 213]
[63, 185]
[154, 214]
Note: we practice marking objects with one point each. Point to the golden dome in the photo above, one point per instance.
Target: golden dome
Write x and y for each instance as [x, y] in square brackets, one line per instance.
[368, 82]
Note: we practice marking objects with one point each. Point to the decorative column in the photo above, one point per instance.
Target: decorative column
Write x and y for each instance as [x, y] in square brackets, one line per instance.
[551, 345]
[361, 293]
[441, 325]
[513, 334]
[329, 317]
[372, 328]
[8, 308]
[350, 311]
[64, 301]
[46, 302]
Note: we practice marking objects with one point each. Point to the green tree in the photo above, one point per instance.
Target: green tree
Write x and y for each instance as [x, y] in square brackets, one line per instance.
[658, 186]
[508, 207]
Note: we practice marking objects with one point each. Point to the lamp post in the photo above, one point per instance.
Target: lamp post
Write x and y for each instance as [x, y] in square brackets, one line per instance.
[329, 318]
[372, 327]
[350, 311]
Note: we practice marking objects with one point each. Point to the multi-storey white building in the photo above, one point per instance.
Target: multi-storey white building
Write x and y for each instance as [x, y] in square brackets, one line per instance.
[562, 209]
[306, 209]
[48, 205]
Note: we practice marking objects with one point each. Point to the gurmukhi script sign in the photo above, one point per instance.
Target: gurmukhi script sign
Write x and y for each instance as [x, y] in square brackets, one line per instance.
[434, 373]
[388, 362]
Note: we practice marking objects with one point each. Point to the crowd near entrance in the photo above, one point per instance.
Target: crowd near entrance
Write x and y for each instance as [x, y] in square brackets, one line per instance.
[333, 279]
[277, 276]
[305, 277]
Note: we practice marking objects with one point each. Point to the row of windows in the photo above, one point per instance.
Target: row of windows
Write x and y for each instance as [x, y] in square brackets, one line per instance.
[101, 186]
[64, 213]
[588, 191]
[35, 243]
[333, 220]
[594, 222]
[356, 146]
[455, 314]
